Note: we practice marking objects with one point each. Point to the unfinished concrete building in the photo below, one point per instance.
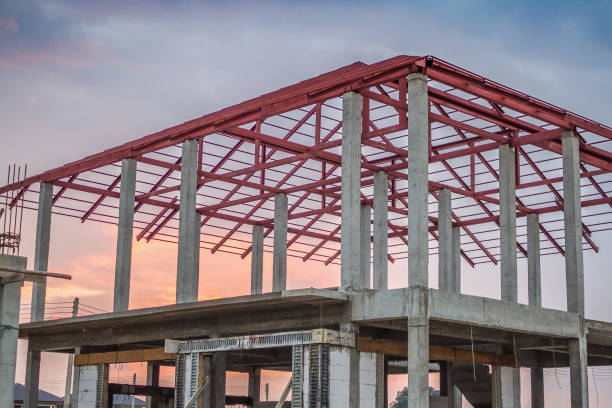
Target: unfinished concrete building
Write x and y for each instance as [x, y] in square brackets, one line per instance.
[408, 158]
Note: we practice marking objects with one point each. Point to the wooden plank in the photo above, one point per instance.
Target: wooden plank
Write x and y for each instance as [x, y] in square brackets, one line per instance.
[400, 348]
[125, 356]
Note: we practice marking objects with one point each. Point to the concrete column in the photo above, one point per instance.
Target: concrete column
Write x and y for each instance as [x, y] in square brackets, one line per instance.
[535, 299]
[354, 378]
[351, 185]
[418, 349]
[41, 250]
[452, 393]
[187, 276]
[507, 219]
[125, 227]
[153, 379]
[418, 152]
[506, 387]
[365, 230]
[445, 242]
[380, 381]
[381, 221]
[219, 364]
[279, 259]
[30, 398]
[254, 383]
[574, 268]
[76, 379]
[10, 300]
[579, 383]
[533, 261]
[207, 371]
[456, 270]
[257, 260]
[41, 262]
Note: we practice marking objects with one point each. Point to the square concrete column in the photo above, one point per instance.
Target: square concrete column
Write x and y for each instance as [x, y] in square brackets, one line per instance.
[153, 379]
[32, 376]
[418, 247]
[381, 236]
[254, 383]
[365, 230]
[279, 258]
[418, 349]
[574, 268]
[219, 365]
[418, 180]
[257, 260]
[125, 227]
[506, 387]
[41, 250]
[447, 385]
[187, 276]
[10, 301]
[579, 383]
[445, 242]
[507, 220]
[535, 298]
[39, 289]
[380, 395]
[350, 254]
[456, 270]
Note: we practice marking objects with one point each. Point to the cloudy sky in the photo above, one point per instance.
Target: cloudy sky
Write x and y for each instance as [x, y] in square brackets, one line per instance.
[77, 77]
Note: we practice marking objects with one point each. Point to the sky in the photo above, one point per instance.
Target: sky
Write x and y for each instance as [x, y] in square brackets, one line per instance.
[77, 77]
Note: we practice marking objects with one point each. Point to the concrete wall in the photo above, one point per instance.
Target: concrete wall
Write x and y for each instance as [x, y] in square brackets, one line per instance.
[367, 380]
[88, 376]
[339, 370]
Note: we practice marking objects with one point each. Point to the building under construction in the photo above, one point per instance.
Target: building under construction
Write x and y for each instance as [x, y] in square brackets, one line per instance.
[408, 158]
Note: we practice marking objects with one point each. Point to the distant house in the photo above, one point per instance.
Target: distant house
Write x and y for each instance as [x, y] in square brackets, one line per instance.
[125, 401]
[45, 399]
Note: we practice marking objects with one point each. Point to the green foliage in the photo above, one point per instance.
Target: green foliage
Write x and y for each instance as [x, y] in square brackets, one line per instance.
[401, 399]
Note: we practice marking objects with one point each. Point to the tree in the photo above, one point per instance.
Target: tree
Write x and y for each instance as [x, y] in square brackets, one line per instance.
[401, 399]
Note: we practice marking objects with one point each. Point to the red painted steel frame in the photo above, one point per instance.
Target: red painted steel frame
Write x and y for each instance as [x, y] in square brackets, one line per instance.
[289, 141]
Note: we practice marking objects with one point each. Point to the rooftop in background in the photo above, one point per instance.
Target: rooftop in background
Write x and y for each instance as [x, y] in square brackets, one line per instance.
[289, 140]
[126, 401]
[43, 396]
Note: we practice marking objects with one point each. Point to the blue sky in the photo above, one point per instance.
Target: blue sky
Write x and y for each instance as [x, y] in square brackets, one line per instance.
[78, 77]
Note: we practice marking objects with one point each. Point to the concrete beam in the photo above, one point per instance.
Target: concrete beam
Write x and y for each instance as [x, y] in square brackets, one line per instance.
[574, 267]
[125, 227]
[365, 231]
[465, 309]
[279, 260]
[188, 268]
[381, 236]
[10, 298]
[445, 242]
[351, 186]
[418, 160]
[507, 220]
[257, 260]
